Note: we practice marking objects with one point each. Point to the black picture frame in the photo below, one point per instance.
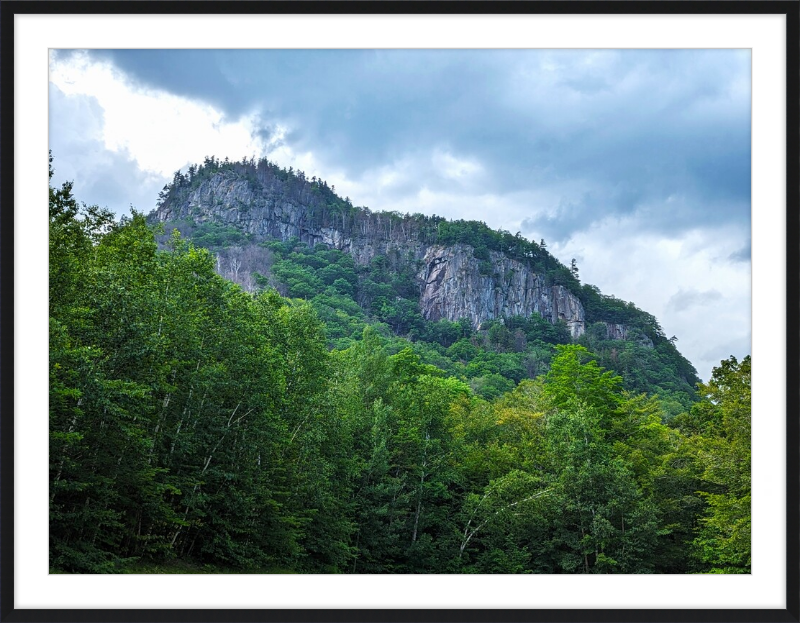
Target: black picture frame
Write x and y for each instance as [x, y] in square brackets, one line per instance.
[11, 8]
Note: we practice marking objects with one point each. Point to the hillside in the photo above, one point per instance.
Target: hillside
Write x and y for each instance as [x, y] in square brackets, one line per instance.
[431, 280]
[196, 426]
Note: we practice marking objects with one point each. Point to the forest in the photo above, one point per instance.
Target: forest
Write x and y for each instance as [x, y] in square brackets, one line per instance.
[317, 424]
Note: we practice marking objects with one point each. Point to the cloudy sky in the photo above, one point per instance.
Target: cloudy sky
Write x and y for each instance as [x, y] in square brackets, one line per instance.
[634, 162]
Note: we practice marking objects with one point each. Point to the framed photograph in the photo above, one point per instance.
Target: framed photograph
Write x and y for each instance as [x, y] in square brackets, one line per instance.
[551, 221]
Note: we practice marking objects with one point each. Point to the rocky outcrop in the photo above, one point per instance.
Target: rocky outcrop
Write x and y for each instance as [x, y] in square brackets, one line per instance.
[454, 284]
[616, 331]
[272, 212]
[232, 200]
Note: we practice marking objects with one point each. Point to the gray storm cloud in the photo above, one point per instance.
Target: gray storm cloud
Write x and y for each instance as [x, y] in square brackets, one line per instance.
[634, 128]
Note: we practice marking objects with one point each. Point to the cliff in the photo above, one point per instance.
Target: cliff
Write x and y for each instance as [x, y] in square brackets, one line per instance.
[454, 286]
[452, 282]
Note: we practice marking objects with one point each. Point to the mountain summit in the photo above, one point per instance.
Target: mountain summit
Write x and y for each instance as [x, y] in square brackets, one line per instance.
[458, 271]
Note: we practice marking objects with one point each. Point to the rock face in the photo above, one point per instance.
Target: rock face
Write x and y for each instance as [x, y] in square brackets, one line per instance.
[271, 212]
[453, 283]
[453, 286]
[616, 331]
[232, 200]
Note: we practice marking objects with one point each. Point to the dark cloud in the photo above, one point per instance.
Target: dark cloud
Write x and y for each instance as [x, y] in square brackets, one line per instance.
[663, 134]
[569, 216]
[269, 135]
[742, 255]
[684, 300]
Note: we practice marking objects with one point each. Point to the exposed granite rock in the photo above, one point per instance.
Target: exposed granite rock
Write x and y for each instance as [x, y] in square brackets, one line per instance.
[452, 284]
[616, 331]
[230, 199]
[454, 287]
